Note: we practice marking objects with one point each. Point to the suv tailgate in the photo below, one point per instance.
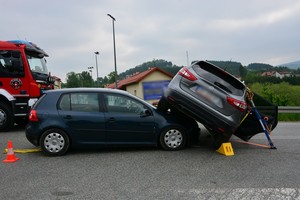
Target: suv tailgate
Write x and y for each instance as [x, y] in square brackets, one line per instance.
[251, 126]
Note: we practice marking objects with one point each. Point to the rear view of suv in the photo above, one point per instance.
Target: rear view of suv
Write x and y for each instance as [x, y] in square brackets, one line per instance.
[210, 95]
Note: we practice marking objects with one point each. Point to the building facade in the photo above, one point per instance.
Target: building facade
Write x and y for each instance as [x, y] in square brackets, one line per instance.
[148, 85]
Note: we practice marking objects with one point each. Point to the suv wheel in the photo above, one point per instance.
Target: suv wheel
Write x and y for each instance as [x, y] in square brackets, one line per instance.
[163, 104]
[54, 142]
[220, 138]
[173, 138]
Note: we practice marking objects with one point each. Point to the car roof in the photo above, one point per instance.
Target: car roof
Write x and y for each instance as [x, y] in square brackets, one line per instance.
[115, 91]
[67, 90]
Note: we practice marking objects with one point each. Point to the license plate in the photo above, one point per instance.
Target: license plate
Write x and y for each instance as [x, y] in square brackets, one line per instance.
[207, 96]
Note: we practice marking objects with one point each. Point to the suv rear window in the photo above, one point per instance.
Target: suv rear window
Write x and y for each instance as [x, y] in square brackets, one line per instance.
[220, 78]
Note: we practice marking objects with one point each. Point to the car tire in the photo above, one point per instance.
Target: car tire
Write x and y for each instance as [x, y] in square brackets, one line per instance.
[6, 117]
[163, 105]
[54, 142]
[173, 138]
[220, 138]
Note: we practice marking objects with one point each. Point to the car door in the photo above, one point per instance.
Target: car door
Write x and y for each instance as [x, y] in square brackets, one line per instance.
[125, 121]
[81, 112]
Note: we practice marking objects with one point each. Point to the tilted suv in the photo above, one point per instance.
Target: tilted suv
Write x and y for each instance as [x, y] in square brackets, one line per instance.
[211, 96]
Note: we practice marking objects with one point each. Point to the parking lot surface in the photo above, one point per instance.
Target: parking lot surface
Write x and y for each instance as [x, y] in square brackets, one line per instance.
[198, 172]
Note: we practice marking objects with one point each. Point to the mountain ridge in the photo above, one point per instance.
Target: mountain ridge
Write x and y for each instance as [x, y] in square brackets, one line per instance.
[291, 65]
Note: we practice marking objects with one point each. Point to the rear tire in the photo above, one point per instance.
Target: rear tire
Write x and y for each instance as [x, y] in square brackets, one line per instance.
[54, 142]
[220, 138]
[6, 117]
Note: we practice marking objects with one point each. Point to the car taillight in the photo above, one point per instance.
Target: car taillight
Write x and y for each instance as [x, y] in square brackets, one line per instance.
[184, 72]
[33, 116]
[240, 105]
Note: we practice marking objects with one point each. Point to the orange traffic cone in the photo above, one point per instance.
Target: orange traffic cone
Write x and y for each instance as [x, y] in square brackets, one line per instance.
[10, 156]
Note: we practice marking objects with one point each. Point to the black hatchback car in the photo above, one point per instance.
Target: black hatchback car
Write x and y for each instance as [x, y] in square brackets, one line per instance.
[216, 99]
[66, 118]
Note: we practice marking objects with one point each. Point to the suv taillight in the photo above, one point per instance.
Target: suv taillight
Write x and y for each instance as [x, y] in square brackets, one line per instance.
[184, 72]
[240, 105]
[33, 116]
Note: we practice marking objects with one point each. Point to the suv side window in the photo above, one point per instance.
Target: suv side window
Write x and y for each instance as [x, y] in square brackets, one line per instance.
[83, 102]
[122, 104]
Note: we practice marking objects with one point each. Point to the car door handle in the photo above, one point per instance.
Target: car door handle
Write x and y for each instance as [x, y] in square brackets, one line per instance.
[111, 120]
[67, 117]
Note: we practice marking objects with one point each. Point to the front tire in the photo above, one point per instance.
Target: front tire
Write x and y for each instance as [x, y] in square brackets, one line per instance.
[163, 104]
[173, 138]
[220, 138]
[54, 142]
[6, 117]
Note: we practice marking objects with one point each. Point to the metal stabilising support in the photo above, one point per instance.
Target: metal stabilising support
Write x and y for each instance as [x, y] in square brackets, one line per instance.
[263, 125]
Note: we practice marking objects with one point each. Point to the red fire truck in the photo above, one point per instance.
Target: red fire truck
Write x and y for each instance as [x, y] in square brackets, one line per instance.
[23, 79]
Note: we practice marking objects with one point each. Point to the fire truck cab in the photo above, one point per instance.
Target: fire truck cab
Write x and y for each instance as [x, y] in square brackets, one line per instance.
[23, 78]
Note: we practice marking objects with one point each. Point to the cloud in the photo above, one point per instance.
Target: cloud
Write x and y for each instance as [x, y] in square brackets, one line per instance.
[71, 31]
[254, 21]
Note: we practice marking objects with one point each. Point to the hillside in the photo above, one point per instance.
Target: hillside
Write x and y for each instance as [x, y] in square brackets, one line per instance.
[291, 65]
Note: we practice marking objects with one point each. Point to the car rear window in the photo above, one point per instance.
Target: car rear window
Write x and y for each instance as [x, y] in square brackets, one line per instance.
[34, 106]
[220, 78]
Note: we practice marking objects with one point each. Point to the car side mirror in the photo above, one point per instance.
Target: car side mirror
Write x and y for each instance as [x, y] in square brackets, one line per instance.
[145, 113]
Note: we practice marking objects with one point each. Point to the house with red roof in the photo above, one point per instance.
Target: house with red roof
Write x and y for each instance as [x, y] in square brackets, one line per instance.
[57, 82]
[148, 85]
[276, 74]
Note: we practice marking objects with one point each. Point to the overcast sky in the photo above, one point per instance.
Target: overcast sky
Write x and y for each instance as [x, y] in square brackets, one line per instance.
[70, 31]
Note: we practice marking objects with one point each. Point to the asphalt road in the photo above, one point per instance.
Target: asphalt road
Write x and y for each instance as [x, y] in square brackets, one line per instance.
[198, 172]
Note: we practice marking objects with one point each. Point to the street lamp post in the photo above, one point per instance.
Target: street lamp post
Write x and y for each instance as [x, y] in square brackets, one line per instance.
[97, 53]
[116, 74]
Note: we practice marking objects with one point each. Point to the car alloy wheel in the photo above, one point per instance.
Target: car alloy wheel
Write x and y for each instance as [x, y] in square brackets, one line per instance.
[54, 142]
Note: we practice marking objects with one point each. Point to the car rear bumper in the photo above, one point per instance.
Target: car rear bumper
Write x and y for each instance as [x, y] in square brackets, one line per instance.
[31, 136]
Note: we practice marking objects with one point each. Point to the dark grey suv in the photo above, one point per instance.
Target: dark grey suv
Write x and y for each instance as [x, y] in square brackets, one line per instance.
[212, 96]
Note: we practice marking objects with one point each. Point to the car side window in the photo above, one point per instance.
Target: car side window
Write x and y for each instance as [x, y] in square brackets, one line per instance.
[122, 104]
[83, 102]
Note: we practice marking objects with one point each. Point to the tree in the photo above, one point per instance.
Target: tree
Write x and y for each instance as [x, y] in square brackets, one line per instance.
[72, 80]
[243, 71]
[111, 77]
[82, 79]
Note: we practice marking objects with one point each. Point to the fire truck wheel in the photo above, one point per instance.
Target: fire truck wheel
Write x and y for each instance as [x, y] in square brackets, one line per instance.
[6, 117]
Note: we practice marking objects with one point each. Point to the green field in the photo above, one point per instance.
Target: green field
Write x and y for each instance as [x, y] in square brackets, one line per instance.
[282, 94]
